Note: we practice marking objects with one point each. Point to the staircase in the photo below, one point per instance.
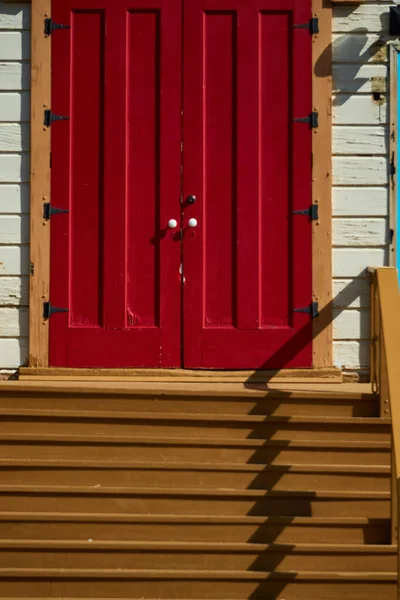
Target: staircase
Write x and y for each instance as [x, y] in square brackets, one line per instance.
[194, 492]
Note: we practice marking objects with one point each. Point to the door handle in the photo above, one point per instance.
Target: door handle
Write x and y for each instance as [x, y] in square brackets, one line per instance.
[172, 223]
[192, 223]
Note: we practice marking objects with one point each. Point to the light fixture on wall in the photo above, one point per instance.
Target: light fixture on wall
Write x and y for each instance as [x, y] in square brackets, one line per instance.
[394, 23]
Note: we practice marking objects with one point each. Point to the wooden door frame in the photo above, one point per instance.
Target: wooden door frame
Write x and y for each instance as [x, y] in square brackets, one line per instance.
[40, 185]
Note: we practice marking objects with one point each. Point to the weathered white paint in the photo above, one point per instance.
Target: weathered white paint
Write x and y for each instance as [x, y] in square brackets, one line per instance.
[14, 291]
[355, 78]
[15, 15]
[362, 201]
[351, 324]
[14, 76]
[353, 262]
[14, 137]
[356, 48]
[15, 106]
[360, 232]
[359, 110]
[14, 168]
[15, 45]
[360, 170]
[351, 355]
[357, 140]
[13, 352]
[363, 19]
[351, 293]
[14, 229]
[14, 322]
[14, 198]
[14, 260]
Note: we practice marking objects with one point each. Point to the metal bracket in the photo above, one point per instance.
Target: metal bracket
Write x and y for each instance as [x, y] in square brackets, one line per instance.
[49, 211]
[49, 310]
[50, 26]
[49, 118]
[312, 120]
[312, 26]
[311, 212]
[309, 310]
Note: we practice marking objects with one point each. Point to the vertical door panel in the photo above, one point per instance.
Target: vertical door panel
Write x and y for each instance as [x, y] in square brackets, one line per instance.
[116, 166]
[247, 75]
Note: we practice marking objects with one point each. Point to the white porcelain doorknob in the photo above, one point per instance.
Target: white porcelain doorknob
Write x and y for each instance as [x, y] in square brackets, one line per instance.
[172, 223]
[192, 222]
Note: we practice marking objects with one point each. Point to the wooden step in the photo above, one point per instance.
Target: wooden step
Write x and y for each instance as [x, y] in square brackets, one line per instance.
[126, 425]
[183, 528]
[174, 449]
[94, 554]
[184, 585]
[248, 401]
[194, 475]
[134, 500]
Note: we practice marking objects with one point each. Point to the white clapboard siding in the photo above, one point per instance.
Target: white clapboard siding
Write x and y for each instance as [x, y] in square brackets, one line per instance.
[359, 110]
[351, 355]
[14, 322]
[14, 137]
[14, 291]
[360, 170]
[14, 198]
[356, 140]
[15, 15]
[361, 20]
[351, 293]
[14, 168]
[15, 106]
[13, 352]
[14, 229]
[360, 232]
[15, 45]
[14, 260]
[355, 78]
[15, 76]
[349, 324]
[362, 201]
[353, 262]
[356, 48]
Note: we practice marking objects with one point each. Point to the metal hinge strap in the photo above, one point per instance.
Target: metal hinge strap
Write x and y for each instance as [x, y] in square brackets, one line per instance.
[50, 26]
[312, 120]
[49, 118]
[311, 212]
[309, 310]
[49, 310]
[49, 211]
[312, 25]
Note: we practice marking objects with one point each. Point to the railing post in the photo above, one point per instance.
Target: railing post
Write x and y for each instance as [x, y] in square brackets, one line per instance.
[394, 504]
[375, 333]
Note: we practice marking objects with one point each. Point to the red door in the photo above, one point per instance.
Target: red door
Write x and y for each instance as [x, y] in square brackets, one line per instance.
[247, 264]
[243, 269]
[116, 166]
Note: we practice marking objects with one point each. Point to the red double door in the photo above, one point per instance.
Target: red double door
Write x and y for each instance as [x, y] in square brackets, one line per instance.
[181, 164]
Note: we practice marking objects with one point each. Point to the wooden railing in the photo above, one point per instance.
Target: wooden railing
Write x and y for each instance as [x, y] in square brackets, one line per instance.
[385, 367]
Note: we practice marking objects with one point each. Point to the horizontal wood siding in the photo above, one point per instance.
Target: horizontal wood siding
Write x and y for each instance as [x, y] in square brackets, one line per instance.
[360, 111]
[15, 40]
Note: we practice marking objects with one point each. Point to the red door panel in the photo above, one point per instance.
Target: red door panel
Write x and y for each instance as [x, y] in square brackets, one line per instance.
[116, 166]
[247, 264]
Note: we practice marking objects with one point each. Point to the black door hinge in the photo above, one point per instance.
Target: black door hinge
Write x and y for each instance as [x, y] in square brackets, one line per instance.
[49, 211]
[49, 118]
[312, 120]
[309, 310]
[311, 212]
[49, 310]
[312, 26]
[50, 26]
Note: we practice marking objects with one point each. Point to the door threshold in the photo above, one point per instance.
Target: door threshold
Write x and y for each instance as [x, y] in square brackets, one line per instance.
[320, 375]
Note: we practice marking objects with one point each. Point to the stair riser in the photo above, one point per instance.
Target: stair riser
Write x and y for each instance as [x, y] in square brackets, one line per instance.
[267, 561]
[196, 405]
[203, 589]
[266, 480]
[193, 453]
[201, 532]
[201, 429]
[196, 505]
